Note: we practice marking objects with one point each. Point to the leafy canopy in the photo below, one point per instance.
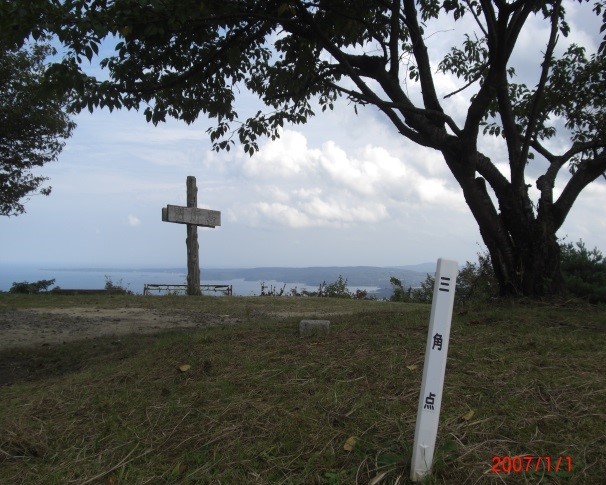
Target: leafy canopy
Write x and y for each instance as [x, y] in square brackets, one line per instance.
[187, 57]
[33, 125]
[183, 58]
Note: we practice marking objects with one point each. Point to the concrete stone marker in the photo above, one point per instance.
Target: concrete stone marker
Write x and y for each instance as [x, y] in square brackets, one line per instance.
[314, 327]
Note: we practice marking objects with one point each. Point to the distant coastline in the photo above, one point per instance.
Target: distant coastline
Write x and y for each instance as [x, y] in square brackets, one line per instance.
[246, 281]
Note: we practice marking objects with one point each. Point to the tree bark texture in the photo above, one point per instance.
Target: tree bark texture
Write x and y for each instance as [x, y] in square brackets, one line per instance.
[522, 242]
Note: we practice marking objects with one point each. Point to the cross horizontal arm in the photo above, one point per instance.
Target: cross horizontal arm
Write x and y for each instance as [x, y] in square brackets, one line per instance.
[191, 215]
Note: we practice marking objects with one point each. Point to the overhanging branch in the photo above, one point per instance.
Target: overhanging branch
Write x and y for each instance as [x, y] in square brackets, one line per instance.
[383, 106]
[491, 173]
[587, 172]
[428, 90]
[394, 38]
[477, 19]
[369, 66]
[540, 92]
[556, 162]
[401, 107]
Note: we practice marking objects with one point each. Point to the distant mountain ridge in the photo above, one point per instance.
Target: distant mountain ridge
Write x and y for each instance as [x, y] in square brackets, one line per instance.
[355, 275]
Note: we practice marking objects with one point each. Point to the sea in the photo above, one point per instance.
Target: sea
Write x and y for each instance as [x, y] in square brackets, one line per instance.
[135, 279]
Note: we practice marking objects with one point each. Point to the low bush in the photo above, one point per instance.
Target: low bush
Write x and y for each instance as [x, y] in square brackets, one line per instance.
[584, 272]
[25, 287]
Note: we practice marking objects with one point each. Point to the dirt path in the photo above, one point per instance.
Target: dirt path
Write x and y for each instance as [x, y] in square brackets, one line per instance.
[48, 326]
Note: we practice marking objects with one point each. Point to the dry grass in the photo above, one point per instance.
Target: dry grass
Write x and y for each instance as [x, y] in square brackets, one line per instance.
[261, 405]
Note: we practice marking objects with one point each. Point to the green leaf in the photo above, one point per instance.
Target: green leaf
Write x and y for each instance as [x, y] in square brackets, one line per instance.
[389, 459]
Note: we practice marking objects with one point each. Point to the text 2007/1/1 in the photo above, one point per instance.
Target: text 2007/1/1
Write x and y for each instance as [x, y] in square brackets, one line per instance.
[529, 463]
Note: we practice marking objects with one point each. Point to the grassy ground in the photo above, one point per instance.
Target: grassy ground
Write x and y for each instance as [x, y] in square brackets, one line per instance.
[261, 405]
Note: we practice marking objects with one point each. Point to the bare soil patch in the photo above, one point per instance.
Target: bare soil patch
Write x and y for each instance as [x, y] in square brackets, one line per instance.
[49, 326]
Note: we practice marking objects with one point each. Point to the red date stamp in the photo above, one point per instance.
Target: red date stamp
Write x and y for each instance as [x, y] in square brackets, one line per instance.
[529, 463]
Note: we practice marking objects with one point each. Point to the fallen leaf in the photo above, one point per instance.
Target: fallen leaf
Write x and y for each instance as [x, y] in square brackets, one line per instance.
[468, 416]
[378, 478]
[180, 469]
[113, 480]
[412, 367]
[184, 367]
[350, 443]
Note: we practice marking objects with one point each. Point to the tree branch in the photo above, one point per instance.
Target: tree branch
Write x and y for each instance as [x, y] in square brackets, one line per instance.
[491, 22]
[475, 79]
[578, 147]
[496, 61]
[405, 109]
[428, 90]
[540, 92]
[510, 129]
[394, 37]
[370, 67]
[521, 11]
[543, 151]
[492, 174]
[477, 19]
[556, 162]
[381, 104]
[587, 172]
[499, 53]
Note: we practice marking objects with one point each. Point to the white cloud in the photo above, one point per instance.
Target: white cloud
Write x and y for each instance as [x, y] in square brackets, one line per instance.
[300, 186]
[272, 191]
[231, 216]
[286, 157]
[340, 211]
[282, 214]
[133, 221]
[316, 212]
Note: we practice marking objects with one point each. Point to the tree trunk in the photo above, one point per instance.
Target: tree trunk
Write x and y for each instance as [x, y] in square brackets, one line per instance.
[527, 261]
[536, 270]
[523, 247]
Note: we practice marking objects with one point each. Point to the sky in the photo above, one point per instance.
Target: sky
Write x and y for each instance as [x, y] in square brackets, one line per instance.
[342, 190]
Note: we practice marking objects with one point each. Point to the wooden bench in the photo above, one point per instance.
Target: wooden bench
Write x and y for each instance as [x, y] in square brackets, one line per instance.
[159, 287]
[70, 291]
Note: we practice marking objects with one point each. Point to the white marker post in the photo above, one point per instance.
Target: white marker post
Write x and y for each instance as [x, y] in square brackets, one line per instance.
[430, 400]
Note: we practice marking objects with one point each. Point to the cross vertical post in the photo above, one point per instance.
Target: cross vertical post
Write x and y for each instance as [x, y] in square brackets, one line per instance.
[193, 254]
[192, 217]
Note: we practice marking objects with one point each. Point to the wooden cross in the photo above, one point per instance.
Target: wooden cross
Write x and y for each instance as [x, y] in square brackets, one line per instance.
[193, 217]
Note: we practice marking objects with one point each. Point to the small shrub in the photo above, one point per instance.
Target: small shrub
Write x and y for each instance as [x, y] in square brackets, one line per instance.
[116, 287]
[338, 289]
[475, 281]
[399, 292]
[424, 293]
[36, 287]
[421, 294]
[584, 271]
